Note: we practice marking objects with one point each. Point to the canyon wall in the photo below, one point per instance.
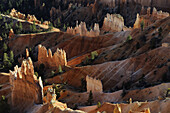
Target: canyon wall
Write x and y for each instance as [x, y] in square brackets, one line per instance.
[51, 61]
[154, 3]
[150, 3]
[93, 85]
[82, 30]
[113, 22]
[148, 17]
[26, 90]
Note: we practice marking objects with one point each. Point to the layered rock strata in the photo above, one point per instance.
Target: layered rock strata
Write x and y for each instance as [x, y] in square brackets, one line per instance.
[113, 22]
[26, 89]
[82, 30]
[49, 60]
[93, 85]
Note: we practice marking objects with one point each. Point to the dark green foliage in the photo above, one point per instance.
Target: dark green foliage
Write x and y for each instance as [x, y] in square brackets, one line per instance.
[123, 92]
[64, 27]
[11, 58]
[142, 25]
[83, 85]
[160, 31]
[50, 26]
[34, 28]
[168, 92]
[94, 54]
[129, 38]
[58, 22]
[36, 74]
[60, 69]
[90, 99]
[98, 104]
[5, 59]
[42, 20]
[52, 73]
[5, 48]
[4, 106]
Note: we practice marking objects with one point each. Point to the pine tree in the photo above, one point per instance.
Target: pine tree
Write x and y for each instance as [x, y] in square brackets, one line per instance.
[5, 48]
[60, 69]
[50, 26]
[90, 99]
[11, 58]
[20, 26]
[5, 59]
[142, 25]
[64, 27]
[34, 29]
[59, 22]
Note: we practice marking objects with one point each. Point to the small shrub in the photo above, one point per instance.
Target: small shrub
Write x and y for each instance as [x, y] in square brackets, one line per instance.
[52, 73]
[94, 54]
[129, 38]
[98, 104]
[36, 74]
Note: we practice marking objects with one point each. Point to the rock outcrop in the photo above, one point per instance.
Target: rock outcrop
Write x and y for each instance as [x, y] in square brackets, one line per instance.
[16, 14]
[113, 22]
[11, 34]
[82, 30]
[26, 89]
[149, 18]
[93, 85]
[51, 61]
[30, 18]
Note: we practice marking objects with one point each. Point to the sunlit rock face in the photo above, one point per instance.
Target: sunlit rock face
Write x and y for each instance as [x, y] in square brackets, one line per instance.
[82, 30]
[26, 89]
[51, 61]
[113, 22]
[93, 85]
[149, 18]
[16, 14]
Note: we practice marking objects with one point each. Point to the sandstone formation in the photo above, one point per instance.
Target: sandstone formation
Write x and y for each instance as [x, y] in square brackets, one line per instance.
[30, 18]
[49, 60]
[146, 17]
[11, 34]
[16, 14]
[82, 30]
[113, 22]
[26, 89]
[93, 85]
[165, 44]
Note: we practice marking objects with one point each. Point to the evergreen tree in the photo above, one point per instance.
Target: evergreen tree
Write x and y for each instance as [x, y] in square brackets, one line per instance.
[11, 58]
[0, 16]
[34, 29]
[60, 69]
[90, 99]
[20, 27]
[9, 4]
[41, 20]
[50, 26]
[5, 59]
[58, 22]
[64, 27]
[5, 48]
[6, 26]
[142, 25]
